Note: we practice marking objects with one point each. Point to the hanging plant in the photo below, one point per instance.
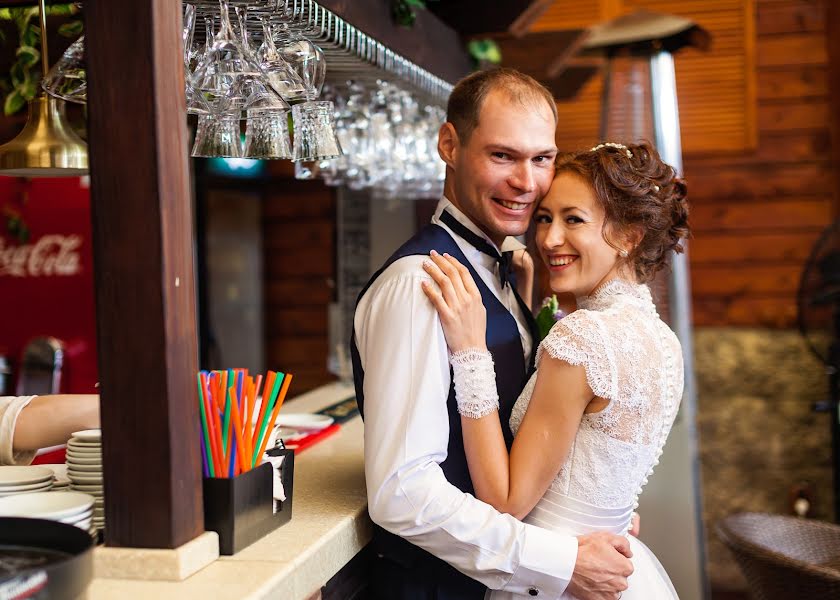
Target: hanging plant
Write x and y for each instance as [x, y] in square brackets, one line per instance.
[485, 52]
[21, 84]
[404, 12]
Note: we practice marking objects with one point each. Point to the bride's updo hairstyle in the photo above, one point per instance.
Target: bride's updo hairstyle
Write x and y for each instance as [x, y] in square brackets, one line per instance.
[638, 191]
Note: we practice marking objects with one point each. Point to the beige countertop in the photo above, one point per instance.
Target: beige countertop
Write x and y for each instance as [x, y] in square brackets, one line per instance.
[329, 526]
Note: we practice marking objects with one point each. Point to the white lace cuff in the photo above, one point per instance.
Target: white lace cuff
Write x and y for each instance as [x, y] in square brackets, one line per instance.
[475, 383]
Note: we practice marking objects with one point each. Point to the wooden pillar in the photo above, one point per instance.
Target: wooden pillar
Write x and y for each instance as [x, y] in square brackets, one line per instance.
[143, 256]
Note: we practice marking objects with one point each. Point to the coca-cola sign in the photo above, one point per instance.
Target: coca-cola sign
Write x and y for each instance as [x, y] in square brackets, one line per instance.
[52, 255]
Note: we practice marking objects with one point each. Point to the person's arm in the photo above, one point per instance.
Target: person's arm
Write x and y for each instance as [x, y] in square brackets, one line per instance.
[49, 420]
[406, 384]
[514, 483]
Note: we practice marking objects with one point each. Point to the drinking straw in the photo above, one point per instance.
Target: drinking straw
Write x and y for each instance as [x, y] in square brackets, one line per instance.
[244, 459]
[246, 415]
[222, 389]
[226, 427]
[265, 416]
[269, 385]
[231, 439]
[205, 437]
[252, 400]
[210, 409]
[205, 465]
[219, 431]
[286, 382]
[240, 376]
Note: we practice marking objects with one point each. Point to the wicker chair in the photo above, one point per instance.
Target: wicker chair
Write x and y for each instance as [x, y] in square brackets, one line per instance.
[784, 557]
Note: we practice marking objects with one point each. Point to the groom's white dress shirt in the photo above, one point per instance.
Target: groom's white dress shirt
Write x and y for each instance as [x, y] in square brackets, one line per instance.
[406, 363]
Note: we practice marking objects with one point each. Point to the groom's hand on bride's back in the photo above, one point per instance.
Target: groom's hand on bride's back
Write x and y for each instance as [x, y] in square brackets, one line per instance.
[602, 567]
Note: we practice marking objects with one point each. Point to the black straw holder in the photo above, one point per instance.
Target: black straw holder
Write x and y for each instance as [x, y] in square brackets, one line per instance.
[240, 509]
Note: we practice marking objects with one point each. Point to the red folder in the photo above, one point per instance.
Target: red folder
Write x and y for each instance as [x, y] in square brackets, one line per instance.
[301, 444]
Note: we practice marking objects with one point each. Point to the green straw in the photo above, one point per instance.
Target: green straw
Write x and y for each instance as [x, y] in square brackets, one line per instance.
[207, 454]
[226, 422]
[267, 416]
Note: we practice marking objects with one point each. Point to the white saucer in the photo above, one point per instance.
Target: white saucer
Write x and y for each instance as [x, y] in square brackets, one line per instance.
[44, 489]
[95, 491]
[88, 435]
[81, 468]
[304, 421]
[46, 505]
[84, 446]
[5, 489]
[85, 459]
[83, 454]
[14, 476]
[73, 519]
[85, 478]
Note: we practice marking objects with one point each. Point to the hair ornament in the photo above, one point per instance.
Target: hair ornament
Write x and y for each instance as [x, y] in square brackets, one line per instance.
[613, 145]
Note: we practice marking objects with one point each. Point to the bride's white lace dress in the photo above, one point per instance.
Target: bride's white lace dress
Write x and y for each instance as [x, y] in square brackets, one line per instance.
[633, 360]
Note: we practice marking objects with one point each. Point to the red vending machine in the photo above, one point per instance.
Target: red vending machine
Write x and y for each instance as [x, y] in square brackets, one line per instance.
[46, 279]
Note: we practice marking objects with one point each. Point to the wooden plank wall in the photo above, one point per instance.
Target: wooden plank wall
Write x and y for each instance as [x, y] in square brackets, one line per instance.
[299, 238]
[757, 209]
[756, 215]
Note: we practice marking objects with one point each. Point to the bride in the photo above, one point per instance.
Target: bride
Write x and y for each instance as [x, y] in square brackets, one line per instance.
[591, 423]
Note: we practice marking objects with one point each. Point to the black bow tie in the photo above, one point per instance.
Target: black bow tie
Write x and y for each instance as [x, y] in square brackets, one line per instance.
[505, 259]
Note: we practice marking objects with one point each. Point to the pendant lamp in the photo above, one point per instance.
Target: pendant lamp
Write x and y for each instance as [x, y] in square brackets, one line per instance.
[47, 146]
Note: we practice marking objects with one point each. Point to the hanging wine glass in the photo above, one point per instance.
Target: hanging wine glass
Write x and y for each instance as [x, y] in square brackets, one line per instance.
[67, 78]
[280, 74]
[228, 75]
[217, 135]
[306, 59]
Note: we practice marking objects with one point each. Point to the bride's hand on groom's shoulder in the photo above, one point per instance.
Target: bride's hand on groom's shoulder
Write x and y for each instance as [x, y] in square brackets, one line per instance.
[457, 301]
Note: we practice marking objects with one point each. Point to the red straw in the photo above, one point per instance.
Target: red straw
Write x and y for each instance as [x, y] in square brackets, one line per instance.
[220, 432]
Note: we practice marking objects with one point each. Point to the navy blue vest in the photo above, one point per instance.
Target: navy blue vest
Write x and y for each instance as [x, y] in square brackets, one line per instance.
[505, 345]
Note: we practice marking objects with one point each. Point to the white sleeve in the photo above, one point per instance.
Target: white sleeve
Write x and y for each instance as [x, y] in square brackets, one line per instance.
[405, 359]
[10, 407]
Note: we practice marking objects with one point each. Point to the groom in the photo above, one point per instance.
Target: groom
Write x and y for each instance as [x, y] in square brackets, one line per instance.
[433, 538]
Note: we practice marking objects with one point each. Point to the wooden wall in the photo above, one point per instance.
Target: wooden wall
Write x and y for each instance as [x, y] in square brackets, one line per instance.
[299, 238]
[298, 268]
[761, 193]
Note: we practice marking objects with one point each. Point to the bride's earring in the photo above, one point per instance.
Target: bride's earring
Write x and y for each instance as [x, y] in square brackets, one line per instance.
[623, 253]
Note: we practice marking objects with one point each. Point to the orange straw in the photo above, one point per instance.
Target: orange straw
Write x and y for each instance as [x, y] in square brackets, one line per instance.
[242, 450]
[280, 397]
[251, 400]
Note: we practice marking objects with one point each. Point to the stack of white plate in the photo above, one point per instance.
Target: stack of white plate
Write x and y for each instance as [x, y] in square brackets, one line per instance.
[23, 480]
[61, 483]
[73, 508]
[84, 469]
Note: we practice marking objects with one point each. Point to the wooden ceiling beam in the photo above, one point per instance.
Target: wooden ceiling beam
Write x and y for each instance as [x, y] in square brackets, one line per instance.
[472, 17]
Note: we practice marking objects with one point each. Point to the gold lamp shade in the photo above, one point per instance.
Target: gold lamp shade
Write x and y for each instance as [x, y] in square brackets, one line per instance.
[47, 146]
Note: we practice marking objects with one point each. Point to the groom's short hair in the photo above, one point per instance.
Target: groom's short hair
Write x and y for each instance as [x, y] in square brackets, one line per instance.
[465, 101]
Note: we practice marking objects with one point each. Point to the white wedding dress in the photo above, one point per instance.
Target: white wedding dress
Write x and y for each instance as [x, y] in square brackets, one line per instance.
[633, 360]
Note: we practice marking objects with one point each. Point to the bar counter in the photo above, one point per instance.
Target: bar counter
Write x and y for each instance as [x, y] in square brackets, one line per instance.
[329, 527]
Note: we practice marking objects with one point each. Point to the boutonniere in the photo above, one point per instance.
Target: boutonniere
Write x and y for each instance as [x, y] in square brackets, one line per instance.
[549, 314]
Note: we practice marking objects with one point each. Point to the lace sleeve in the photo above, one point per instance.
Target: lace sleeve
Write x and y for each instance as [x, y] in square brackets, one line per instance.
[581, 340]
[475, 383]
